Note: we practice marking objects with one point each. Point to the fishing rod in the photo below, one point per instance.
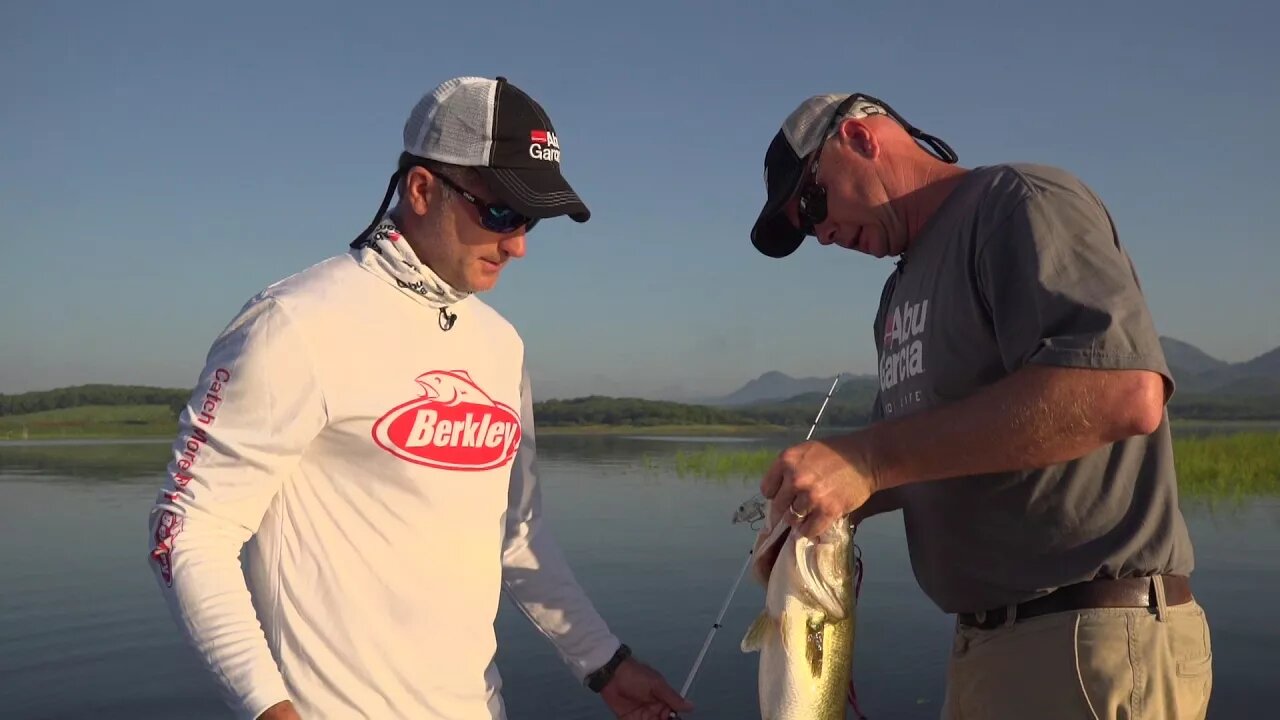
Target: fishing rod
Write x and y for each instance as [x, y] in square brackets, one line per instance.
[759, 508]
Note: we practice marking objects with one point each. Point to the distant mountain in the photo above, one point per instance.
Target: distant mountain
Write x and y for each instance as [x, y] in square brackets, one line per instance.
[1188, 357]
[1196, 372]
[1267, 364]
[776, 386]
[1249, 386]
[850, 405]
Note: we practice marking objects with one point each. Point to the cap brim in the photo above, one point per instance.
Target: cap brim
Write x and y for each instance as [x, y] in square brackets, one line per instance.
[536, 193]
[773, 234]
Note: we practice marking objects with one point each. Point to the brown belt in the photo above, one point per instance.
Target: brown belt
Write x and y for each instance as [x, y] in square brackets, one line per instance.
[1098, 593]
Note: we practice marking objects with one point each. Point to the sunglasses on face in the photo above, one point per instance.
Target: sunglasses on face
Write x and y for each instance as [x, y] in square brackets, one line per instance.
[812, 201]
[494, 217]
[812, 204]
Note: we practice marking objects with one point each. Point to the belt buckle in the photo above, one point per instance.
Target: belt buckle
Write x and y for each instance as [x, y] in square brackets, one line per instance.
[993, 618]
[984, 619]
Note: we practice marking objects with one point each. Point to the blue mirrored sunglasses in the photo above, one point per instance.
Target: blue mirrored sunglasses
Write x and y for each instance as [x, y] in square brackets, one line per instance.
[494, 217]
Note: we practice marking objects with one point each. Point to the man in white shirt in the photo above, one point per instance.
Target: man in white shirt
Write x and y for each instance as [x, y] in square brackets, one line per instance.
[363, 429]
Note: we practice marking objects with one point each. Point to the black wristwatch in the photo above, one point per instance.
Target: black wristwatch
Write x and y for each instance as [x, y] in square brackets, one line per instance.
[598, 679]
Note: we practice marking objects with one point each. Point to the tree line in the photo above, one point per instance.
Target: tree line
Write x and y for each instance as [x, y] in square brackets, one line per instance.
[850, 406]
[80, 395]
[600, 410]
[1189, 406]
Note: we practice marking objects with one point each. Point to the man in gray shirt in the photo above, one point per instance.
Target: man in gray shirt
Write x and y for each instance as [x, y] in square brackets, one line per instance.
[1020, 424]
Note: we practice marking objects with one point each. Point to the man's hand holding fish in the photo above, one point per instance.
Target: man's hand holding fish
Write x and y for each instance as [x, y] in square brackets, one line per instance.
[814, 483]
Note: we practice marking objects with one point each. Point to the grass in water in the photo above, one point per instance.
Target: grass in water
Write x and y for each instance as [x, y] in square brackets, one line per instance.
[91, 421]
[1224, 466]
[722, 464]
[106, 461]
[1214, 467]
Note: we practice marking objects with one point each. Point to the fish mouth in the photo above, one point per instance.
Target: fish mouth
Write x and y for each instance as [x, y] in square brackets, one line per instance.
[428, 390]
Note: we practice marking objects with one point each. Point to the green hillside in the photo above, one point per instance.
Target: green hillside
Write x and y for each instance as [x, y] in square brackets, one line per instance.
[599, 410]
[82, 395]
[103, 411]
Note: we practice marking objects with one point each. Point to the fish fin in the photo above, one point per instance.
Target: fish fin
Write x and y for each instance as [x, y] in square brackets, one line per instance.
[753, 641]
[814, 639]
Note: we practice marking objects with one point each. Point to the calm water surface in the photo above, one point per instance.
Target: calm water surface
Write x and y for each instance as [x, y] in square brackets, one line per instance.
[84, 633]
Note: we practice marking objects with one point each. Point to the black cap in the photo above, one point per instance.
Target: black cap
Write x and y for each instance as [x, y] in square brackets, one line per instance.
[802, 133]
[496, 128]
[523, 164]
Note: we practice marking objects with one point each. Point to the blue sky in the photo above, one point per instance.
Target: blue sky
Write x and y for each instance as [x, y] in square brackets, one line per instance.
[161, 162]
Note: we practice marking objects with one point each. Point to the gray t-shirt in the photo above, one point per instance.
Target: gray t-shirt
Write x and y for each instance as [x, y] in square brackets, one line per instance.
[1020, 265]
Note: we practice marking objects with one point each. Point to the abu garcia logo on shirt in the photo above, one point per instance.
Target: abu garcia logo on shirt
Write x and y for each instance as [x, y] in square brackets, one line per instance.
[454, 425]
[902, 351]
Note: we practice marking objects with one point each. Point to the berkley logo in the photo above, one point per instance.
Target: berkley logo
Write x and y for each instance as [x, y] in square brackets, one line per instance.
[455, 425]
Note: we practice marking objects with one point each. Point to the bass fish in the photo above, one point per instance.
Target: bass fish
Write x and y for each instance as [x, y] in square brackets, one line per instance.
[805, 633]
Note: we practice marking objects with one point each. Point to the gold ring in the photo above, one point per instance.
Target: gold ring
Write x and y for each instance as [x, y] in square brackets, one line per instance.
[799, 516]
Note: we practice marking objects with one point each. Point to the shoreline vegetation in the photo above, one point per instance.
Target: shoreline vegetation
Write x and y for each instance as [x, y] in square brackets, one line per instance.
[1215, 460]
[105, 412]
[1222, 454]
[158, 422]
[1222, 465]
[1216, 466]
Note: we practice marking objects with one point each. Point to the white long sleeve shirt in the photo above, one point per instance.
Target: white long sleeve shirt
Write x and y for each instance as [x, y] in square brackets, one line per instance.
[379, 473]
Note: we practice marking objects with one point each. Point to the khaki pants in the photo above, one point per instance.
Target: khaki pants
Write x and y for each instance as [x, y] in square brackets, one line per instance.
[1108, 664]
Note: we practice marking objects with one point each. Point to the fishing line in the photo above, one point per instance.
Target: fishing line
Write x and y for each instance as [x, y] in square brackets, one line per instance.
[747, 512]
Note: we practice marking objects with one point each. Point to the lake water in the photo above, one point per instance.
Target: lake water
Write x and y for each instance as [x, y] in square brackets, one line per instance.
[84, 633]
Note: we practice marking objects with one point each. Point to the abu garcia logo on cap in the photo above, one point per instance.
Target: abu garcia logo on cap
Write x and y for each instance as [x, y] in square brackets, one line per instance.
[543, 145]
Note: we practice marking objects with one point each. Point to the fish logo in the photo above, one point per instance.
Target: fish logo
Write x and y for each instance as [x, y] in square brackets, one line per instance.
[454, 425]
[167, 528]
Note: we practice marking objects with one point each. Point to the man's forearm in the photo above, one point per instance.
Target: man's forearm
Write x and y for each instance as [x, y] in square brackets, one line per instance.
[1037, 416]
[541, 583]
[206, 594]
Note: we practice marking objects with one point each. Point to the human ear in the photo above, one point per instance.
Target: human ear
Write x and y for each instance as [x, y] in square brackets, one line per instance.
[418, 183]
[858, 136]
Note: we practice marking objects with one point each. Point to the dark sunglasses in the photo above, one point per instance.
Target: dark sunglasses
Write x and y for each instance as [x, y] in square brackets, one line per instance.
[812, 203]
[493, 216]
